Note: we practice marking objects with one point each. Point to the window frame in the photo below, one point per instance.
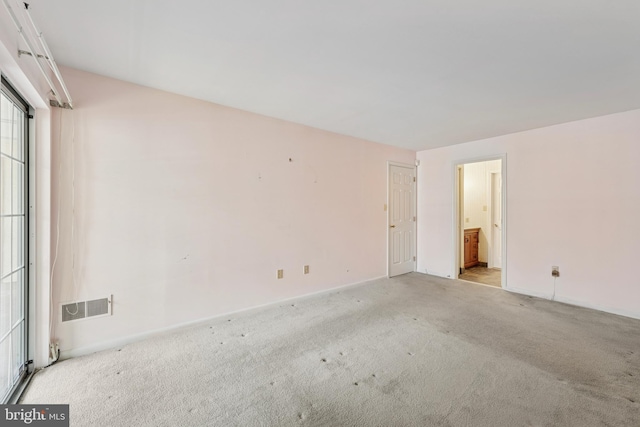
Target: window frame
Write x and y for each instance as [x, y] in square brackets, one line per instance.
[7, 89]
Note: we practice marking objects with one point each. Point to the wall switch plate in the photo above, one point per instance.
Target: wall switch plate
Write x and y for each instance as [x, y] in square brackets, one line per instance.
[280, 274]
[306, 269]
[555, 271]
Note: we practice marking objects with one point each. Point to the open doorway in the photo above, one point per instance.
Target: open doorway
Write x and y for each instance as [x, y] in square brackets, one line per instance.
[480, 228]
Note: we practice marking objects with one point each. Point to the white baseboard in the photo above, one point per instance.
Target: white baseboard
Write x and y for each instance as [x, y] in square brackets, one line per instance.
[578, 303]
[118, 342]
[437, 274]
[528, 292]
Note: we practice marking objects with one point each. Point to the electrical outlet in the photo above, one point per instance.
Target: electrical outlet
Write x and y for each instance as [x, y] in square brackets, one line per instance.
[306, 269]
[53, 351]
[280, 274]
[555, 271]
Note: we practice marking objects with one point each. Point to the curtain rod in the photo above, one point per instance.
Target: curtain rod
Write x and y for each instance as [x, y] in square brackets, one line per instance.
[47, 56]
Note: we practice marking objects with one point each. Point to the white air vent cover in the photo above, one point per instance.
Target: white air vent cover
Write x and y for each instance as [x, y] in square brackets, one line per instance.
[79, 310]
[73, 311]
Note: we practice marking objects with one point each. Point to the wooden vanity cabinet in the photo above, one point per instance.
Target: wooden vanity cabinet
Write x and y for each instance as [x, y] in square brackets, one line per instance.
[471, 239]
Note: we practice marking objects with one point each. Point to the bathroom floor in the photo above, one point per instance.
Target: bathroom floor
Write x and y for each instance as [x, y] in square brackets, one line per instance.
[484, 275]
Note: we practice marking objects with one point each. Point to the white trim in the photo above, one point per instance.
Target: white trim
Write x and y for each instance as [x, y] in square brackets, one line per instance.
[571, 301]
[42, 183]
[32, 213]
[106, 345]
[490, 244]
[456, 212]
[456, 220]
[28, 85]
[537, 294]
[402, 165]
[19, 80]
[458, 226]
[503, 206]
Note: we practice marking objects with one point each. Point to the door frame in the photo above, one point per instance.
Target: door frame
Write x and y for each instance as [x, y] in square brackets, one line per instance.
[458, 229]
[459, 197]
[491, 255]
[388, 209]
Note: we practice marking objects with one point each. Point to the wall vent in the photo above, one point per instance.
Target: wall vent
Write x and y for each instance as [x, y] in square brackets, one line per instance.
[73, 311]
[79, 310]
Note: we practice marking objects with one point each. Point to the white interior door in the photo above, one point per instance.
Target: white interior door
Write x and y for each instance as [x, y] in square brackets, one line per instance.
[402, 220]
[496, 214]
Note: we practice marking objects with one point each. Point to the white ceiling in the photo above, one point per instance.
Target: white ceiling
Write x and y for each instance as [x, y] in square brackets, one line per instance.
[412, 73]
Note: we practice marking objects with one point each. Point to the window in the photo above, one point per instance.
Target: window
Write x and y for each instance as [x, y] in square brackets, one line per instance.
[14, 114]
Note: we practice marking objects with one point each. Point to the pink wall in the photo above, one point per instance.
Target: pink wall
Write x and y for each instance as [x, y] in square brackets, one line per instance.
[572, 201]
[184, 209]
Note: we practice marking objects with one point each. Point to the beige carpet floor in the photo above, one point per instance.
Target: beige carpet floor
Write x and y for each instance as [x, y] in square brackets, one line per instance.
[409, 351]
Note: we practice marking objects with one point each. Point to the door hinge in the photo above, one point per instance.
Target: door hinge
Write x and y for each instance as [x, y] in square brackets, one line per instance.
[414, 219]
[414, 179]
[414, 258]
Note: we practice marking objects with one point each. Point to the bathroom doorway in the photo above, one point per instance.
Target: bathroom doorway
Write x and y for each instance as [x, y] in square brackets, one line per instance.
[480, 189]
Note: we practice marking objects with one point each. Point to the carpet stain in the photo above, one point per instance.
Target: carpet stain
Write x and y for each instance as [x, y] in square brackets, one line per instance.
[390, 387]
